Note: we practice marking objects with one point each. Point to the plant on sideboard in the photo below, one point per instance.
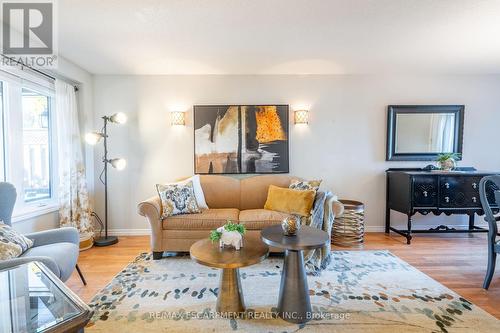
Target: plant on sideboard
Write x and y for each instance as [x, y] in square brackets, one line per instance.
[447, 161]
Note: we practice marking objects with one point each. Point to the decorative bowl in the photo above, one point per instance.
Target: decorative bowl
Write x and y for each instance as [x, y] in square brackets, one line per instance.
[290, 225]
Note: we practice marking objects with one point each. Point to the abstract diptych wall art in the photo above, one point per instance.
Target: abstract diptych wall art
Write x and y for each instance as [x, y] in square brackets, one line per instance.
[238, 139]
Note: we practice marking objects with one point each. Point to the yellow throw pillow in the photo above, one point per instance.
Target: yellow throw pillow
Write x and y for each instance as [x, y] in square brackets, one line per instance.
[290, 201]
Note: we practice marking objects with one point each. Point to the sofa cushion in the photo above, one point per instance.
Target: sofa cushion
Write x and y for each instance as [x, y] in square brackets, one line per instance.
[254, 189]
[221, 191]
[208, 219]
[257, 219]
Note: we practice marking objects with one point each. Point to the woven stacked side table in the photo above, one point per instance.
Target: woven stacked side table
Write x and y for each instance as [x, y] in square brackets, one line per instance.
[349, 229]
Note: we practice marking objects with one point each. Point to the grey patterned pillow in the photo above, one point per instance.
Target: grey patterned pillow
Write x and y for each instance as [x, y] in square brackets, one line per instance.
[12, 243]
[304, 185]
[177, 199]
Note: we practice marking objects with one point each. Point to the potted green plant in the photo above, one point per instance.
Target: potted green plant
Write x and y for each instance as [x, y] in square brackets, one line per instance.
[447, 161]
[230, 234]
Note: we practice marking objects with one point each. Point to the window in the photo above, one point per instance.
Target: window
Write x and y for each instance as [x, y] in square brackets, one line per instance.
[36, 148]
[27, 158]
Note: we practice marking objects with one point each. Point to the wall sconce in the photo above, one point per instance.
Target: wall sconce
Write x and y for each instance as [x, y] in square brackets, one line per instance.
[301, 117]
[177, 118]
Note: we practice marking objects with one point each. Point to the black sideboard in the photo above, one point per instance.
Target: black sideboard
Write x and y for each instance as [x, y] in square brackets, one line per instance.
[412, 191]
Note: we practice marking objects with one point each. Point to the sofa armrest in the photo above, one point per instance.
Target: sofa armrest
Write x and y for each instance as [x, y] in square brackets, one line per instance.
[60, 235]
[333, 207]
[337, 208]
[151, 209]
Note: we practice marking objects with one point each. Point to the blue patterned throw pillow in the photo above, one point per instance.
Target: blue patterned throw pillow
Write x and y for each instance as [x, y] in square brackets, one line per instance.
[177, 199]
[12, 243]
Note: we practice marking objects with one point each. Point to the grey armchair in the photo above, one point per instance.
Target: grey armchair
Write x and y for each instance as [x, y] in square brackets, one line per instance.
[58, 249]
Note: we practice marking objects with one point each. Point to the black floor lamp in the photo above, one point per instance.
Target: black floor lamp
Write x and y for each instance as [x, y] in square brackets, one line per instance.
[117, 163]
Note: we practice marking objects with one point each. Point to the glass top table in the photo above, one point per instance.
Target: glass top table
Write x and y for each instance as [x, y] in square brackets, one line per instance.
[32, 299]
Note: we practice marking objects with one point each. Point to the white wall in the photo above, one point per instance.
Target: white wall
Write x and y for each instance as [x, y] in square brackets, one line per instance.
[84, 80]
[344, 143]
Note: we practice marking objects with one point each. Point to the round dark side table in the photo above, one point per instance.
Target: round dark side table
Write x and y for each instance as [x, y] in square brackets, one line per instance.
[294, 304]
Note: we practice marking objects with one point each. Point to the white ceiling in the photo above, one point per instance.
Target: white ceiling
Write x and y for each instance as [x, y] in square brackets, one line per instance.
[281, 36]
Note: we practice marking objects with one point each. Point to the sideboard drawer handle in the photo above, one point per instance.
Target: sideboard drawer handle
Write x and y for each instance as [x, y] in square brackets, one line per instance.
[447, 199]
[447, 185]
[474, 199]
[474, 185]
[425, 193]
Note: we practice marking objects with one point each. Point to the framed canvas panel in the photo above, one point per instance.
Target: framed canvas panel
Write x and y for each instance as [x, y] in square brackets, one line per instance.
[241, 139]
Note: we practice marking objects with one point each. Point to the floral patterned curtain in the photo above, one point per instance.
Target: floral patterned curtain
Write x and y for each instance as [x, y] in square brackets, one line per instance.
[74, 209]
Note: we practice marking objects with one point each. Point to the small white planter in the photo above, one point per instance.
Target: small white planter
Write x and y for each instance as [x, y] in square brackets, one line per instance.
[230, 239]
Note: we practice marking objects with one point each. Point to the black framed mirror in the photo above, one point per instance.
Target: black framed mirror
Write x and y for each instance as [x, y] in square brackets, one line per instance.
[422, 132]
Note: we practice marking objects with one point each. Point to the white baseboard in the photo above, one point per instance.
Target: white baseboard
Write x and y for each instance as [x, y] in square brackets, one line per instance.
[129, 232]
[374, 228]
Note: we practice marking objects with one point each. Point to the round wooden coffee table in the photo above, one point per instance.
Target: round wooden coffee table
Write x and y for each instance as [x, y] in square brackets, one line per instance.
[294, 304]
[230, 297]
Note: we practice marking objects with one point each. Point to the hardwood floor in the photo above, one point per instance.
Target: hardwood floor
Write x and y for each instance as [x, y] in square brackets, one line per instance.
[456, 260]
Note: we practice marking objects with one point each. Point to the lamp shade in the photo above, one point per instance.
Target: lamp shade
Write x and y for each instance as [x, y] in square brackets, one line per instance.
[118, 163]
[93, 138]
[301, 117]
[118, 118]
[177, 118]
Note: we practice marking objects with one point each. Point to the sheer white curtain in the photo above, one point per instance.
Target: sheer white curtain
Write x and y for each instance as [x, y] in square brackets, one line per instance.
[441, 136]
[74, 207]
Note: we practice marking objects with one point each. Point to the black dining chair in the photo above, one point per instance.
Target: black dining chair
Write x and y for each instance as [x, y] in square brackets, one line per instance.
[493, 243]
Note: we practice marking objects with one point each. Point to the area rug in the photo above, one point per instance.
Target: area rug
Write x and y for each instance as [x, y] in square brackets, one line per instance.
[360, 291]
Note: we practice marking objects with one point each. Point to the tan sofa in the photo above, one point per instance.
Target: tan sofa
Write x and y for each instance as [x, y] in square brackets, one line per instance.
[229, 198]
